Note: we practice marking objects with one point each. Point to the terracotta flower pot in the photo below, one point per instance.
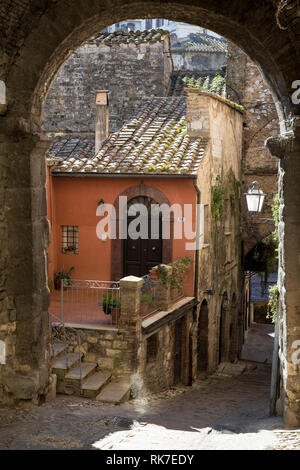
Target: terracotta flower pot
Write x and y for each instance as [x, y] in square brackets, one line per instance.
[144, 308]
[154, 275]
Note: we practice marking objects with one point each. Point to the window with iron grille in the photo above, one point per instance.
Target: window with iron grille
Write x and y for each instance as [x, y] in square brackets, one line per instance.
[69, 238]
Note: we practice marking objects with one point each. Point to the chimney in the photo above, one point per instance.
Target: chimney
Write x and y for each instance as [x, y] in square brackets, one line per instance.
[101, 118]
[197, 113]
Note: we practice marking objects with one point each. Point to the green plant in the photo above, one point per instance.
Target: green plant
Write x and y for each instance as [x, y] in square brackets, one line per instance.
[218, 196]
[65, 275]
[108, 303]
[146, 298]
[162, 273]
[179, 268]
[273, 303]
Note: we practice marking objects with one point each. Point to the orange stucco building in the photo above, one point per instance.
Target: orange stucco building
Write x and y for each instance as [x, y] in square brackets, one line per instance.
[73, 201]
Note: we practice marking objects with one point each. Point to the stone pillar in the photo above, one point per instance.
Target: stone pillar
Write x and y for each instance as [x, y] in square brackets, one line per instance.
[130, 324]
[24, 296]
[288, 150]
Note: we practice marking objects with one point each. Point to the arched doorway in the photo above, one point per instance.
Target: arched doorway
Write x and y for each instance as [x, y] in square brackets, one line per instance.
[233, 329]
[142, 253]
[202, 338]
[223, 340]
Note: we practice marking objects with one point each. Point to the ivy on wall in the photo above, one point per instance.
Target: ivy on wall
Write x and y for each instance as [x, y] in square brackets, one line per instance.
[219, 191]
[218, 195]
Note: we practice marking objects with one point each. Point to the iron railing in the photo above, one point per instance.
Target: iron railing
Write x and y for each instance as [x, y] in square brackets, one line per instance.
[87, 302]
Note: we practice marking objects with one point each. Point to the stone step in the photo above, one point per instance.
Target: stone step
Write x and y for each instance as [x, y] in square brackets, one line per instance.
[94, 383]
[57, 349]
[115, 392]
[65, 361]
[72, 378]
[61, 366]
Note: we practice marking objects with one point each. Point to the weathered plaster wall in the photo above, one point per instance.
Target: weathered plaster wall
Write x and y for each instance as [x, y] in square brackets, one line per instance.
[129, 71]
[219, 256]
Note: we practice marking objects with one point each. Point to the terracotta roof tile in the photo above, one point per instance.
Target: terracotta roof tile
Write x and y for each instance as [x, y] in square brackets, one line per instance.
[135, 37]
[205, 81]
[154, 140]
[201, 42]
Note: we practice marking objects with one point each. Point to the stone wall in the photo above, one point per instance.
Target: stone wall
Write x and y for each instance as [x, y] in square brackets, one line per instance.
[129, 71]
[246, 85]
[157, 372]
[219, 176]
[198, 61]
[102, 346]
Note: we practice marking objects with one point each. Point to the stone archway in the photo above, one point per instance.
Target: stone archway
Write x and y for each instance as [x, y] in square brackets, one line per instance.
[38, 37]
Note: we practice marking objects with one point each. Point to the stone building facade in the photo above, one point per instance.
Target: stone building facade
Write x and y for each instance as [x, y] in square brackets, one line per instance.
[132, 65]
[245, 85]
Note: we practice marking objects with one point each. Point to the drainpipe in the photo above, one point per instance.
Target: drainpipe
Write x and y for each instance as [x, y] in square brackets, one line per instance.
[101, 130]
[196, 278]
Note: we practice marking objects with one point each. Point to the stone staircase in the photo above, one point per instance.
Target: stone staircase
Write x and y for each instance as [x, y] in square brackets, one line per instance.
[96, 384]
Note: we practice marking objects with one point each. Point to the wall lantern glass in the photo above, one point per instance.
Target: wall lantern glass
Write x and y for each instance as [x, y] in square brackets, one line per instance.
[255, 198]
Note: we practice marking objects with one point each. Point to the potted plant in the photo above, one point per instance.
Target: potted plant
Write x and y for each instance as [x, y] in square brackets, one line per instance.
[180, 267]
[111, 306]
[146, 300]
[154, 274]
[63, 276]
[69, 249]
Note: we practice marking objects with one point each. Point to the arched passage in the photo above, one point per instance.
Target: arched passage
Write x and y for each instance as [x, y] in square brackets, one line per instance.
[202, 338]
[37, 39]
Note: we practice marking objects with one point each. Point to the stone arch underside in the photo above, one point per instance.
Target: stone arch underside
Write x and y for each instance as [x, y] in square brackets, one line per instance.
[37, 38]
[62, 27]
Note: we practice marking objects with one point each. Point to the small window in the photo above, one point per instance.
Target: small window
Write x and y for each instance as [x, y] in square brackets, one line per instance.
[69, 239]
[152, 348]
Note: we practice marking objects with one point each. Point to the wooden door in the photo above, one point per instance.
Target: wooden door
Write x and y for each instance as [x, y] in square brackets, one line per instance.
[142, 254]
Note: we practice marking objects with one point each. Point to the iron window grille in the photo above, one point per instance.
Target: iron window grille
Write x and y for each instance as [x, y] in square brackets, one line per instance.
[69, 239]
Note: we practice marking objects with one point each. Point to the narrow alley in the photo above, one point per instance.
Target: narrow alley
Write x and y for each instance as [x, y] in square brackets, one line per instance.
[218, 412]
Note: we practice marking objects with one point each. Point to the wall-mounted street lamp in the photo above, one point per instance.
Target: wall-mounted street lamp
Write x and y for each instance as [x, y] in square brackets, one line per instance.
[255, 198]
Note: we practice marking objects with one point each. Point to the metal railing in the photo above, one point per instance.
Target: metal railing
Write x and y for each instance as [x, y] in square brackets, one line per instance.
[68, 337]
[149, 296]
[87, 302]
